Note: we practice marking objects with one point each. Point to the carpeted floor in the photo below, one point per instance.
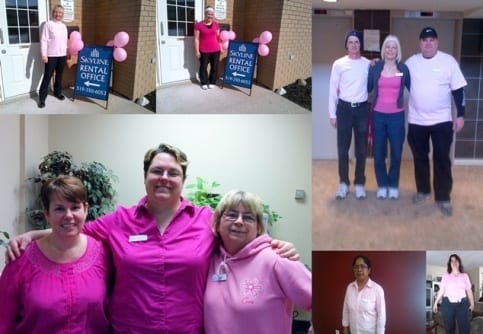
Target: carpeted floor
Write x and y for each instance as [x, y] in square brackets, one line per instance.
[351, 224]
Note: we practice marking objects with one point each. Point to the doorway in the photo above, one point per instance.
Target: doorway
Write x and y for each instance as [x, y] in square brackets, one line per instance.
[175, 31]
[20, 62]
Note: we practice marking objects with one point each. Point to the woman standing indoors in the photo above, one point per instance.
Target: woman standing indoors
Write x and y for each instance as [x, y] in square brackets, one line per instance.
[387, 78]
[457, 297]
[60, 284]
[207, 48]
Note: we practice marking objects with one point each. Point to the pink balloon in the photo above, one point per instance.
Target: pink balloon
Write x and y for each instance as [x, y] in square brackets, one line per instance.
[231, 35]
[121, 39]
[110, 43]
[120, 54]
[77, 45]
[263, 50]
[265, 37]
[256, 40]
[75, 36]
[225, 35]
[225, 44]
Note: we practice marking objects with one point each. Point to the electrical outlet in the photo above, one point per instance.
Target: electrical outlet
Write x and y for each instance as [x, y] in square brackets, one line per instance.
[299, 194]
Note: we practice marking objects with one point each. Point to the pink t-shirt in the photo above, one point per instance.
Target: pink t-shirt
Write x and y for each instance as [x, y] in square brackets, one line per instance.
[388, 88]
[208, 37]
[454, 286]
[53, 39]
[259, 292]
[160, 278]
[41, 296]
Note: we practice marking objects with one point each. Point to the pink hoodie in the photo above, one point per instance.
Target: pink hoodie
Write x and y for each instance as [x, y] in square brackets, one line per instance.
[254, 291]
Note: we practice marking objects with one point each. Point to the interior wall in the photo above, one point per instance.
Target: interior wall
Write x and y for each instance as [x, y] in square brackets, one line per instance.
[265, 154]
[327, 45]
[400, 273]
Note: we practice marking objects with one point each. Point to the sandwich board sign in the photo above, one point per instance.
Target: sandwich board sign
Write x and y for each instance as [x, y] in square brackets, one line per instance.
[240, 64]
[93, 75]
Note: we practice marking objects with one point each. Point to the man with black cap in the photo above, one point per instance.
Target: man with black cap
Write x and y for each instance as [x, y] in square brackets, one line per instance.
[435, 76]
[349, 111]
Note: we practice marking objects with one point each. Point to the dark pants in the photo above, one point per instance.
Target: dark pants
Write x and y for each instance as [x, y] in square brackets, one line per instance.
[456, 313]
[212, 59]
[441, 136]
[57, 65]
[388, 127]
[350, 119]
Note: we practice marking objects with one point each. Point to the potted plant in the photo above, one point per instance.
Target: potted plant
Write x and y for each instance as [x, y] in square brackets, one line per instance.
[97, 179]
[4, 236]
[203, 194]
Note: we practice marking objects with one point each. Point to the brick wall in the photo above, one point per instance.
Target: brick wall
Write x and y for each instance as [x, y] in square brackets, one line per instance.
[99, 21]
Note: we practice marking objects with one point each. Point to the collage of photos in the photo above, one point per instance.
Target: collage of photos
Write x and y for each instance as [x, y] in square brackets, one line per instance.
[241, 166]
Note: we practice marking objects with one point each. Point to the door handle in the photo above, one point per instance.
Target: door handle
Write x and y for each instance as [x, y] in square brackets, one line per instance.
[161, 29]
[1, 36]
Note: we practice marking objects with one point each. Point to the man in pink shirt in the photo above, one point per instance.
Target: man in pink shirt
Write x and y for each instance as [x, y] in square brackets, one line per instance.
[53, 48]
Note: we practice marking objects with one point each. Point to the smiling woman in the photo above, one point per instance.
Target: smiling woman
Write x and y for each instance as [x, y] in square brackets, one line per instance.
[65, 268]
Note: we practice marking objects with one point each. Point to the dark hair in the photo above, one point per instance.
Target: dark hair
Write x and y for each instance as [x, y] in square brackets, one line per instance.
[460, 267]
[175, 152]
[364, 258]
[66, 186]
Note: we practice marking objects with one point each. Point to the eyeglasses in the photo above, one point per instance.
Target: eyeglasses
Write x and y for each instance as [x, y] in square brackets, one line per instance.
[248, 218]
[359, 266]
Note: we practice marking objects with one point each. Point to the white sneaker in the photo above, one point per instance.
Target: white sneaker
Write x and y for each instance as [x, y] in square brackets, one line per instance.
[381, 193]
[360, 192]
[342, 191]
[204, 87]
[210, 86]
[393, 193]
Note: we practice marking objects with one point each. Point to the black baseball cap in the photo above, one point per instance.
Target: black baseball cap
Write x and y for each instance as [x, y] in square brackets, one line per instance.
[428, 32]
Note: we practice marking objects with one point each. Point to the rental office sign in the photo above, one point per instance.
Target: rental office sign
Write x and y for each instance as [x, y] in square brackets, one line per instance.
[240, 64]
[94, 72]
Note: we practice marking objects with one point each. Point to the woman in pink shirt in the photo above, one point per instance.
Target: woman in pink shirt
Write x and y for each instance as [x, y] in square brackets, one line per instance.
[250, 289]
[160, 248]
[457, 297]
[387, 80]
[53, 48]
[60, 284]
[207, 48]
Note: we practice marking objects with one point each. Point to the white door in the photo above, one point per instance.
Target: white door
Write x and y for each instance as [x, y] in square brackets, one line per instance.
[21, 67]
[175, 29]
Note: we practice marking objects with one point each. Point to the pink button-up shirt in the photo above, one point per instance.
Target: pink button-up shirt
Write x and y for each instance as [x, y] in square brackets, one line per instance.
[364, 311]
[454, 286]
[160, 278]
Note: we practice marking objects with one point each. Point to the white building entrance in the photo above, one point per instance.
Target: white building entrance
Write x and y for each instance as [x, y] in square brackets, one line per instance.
[21, 67]
[175, 30]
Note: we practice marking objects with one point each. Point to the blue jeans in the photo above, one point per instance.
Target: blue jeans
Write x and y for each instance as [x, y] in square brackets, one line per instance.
[441, 136]
[352, 119]
[388, 127]
[456, 312]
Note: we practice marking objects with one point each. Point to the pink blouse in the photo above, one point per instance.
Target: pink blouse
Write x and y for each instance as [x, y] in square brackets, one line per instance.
[388, 94]
[41, 296]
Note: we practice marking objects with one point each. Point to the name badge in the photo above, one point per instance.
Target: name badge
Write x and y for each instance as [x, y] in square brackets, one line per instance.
[137, 238]
[219, 277]
[399, 74]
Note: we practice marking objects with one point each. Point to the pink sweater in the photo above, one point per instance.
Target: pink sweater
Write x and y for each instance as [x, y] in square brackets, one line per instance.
[259, 292]
[41, 296]
[53, 39]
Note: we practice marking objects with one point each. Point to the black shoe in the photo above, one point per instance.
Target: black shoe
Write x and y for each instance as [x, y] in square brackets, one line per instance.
[41, 104]
[60, 97]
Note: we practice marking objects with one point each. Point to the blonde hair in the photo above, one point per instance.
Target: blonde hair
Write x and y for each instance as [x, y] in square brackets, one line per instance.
[230, 201]
[392, 38]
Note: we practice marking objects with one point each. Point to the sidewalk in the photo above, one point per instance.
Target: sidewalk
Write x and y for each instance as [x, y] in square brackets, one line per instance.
[188, 98]
[81, 105]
